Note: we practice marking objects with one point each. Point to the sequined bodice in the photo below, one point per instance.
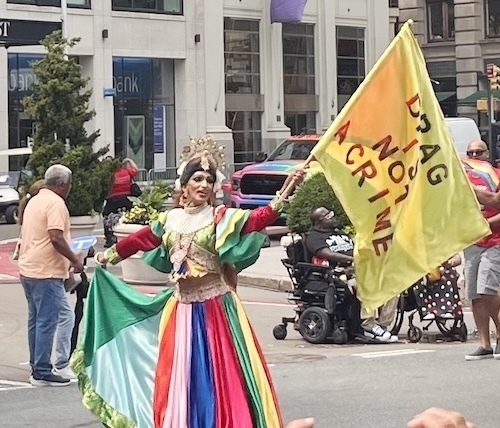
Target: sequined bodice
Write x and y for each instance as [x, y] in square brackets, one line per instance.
[190, 240]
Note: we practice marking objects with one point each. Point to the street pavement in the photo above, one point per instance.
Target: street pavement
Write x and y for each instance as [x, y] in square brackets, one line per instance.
[344, 386]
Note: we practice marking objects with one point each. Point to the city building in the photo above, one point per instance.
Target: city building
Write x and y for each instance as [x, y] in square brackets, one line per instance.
[459, 38]
[166, 70]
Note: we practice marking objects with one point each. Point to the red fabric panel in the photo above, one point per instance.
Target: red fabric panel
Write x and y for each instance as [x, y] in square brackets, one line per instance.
[143, 240]
[164, 370]
[232, 408]
[259, 219]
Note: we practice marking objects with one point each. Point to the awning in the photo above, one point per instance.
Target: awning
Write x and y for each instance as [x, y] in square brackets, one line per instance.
[445, 96]
[472, 99]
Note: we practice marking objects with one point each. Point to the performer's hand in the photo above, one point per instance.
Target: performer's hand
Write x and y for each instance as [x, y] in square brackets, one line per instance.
[439, 418]
[100, 259]
[301, 423]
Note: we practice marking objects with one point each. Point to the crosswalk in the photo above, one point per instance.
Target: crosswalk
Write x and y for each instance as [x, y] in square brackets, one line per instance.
[393, 353]
[9, 385]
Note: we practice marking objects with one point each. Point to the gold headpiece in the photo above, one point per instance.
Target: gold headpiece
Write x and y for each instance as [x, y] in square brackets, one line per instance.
[208, 150]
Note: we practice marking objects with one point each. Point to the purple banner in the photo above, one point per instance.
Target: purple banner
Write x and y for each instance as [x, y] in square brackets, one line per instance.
[287, 11]
[158, 128]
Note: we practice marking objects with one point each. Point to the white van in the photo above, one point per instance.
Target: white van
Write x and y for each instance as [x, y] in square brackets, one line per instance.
[463, 130]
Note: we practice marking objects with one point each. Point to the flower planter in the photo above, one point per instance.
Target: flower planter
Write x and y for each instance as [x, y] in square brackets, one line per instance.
[135, 270]
[83, 225]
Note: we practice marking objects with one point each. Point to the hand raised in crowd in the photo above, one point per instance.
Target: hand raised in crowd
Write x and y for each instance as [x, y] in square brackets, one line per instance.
[439, 418]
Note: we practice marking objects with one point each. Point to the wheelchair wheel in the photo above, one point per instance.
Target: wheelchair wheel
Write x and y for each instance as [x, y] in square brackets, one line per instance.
[279, 332]
[395, 327]
[314, 325]
[414, 334]
[463, 332]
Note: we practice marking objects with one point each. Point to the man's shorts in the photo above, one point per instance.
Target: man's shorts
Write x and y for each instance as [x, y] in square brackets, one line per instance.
[481, 271]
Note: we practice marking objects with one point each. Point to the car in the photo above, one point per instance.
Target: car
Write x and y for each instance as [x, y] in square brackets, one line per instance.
[256, 185]
[10, 183]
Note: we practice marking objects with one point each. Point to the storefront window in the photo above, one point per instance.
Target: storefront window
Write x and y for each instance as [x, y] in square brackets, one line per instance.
[20, 80]
[441, 20]
[241, 56]
[247, 134]
[351, 66]
[492, 14]
[144, 110]
[298, 58]
[161, 6]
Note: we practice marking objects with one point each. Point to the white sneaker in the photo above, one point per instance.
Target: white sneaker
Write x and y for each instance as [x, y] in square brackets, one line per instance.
[393, 338]
[66, 373]
[378, 333]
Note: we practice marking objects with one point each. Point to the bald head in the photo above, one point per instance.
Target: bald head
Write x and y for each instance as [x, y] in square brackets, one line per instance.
[478, 149]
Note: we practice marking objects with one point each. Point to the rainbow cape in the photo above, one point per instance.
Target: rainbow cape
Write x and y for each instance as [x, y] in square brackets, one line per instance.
[155, 362]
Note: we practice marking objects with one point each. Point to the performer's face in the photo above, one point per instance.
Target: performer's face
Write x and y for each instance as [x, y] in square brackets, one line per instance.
[199, 188]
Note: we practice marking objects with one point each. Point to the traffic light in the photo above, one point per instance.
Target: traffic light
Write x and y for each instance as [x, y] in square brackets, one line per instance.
[493, 72]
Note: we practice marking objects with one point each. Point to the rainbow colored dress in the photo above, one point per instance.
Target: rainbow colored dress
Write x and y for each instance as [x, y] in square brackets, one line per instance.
[186, 358]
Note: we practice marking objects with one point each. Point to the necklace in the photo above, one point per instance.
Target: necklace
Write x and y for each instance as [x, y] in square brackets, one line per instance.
[190, 219]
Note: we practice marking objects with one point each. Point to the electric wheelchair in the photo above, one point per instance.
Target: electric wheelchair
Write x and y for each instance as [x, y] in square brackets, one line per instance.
[327, 309]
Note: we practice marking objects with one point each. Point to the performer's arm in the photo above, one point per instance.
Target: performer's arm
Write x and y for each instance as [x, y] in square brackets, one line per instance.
[260, 218]
[487, 198]
[142, 240]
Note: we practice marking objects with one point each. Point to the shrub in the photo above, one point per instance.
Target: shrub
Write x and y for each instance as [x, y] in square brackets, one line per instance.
[315, 192]
[59, 106]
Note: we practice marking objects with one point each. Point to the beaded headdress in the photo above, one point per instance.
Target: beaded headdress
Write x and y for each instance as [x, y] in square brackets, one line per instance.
[211, 159]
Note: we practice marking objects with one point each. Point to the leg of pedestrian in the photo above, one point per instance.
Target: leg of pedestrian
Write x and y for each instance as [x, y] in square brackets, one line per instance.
[65, 326]
[48, 295]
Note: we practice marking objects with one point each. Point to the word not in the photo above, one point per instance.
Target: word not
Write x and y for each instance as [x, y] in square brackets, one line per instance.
[397, 172]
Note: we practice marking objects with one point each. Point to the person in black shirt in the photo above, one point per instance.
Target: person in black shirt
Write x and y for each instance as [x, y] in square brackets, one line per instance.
[330, 245]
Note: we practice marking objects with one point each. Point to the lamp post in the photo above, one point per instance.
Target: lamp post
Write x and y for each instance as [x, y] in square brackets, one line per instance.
[64, 21]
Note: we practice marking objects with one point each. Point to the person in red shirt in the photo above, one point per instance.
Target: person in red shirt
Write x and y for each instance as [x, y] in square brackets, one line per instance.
[118, 197]
[482, 260]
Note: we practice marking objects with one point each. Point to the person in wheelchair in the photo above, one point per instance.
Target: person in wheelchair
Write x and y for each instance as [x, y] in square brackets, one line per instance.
[329, 245]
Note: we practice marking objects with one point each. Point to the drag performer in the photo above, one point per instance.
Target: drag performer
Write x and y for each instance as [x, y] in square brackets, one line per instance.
[188, 357]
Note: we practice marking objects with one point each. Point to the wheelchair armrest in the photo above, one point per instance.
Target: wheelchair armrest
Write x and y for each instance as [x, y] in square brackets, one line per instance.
[314, 267]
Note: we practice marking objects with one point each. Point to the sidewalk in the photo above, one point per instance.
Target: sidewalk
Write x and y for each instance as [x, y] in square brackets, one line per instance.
[268, 272]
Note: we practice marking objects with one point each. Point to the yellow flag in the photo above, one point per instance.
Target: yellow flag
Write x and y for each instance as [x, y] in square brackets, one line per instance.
[390, 159]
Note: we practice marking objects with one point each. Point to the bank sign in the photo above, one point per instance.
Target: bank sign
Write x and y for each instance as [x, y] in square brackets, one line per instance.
[17, 32]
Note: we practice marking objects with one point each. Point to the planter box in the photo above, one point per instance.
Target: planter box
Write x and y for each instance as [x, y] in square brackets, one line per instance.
[83, 225]
[135, 270]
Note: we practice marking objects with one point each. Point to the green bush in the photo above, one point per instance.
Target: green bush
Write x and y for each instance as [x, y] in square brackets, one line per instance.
[59, 105]
[315, 192]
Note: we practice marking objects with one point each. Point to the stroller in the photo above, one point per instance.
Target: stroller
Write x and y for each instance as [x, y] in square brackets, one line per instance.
[435, 302]
[326, 306]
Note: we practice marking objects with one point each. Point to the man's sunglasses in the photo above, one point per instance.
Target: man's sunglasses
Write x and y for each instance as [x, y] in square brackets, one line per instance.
[476, 152]
[330, 215]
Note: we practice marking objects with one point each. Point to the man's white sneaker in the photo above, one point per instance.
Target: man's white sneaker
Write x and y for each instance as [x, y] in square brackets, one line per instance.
[66, 373]
[378, 333]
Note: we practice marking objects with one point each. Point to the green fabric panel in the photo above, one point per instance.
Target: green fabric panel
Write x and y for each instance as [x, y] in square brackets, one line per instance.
[112, 305]
[234, 237]
[246, 252]
[91, 400]
[157, 228]
[259, 419]
[158, 259]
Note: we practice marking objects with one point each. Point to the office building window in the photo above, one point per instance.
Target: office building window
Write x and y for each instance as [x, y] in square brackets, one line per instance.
[441, 20]
[56, 3]
[301, 123]
[241, 56]
[492, 14]
[298, 59]
[247, 134]
[393, 3]
[351, 66]
[159, 6]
